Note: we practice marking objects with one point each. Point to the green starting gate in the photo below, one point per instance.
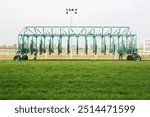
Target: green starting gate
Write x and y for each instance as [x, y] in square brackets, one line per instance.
[116, 39]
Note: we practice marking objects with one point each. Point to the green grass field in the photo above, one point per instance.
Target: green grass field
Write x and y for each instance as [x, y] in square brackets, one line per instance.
[74, 80]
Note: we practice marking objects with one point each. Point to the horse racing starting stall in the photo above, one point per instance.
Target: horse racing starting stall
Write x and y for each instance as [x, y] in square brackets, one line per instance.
[116, 39]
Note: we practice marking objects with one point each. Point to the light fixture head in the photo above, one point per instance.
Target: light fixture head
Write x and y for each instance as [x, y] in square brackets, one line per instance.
[71, 10]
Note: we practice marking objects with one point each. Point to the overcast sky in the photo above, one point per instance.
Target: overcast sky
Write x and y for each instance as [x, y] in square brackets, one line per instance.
[16, 14]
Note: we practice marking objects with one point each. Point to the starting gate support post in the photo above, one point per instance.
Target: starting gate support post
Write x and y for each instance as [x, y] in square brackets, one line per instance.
[127, 44]
[132, 45]
[36, 44]
[40, 47]
[86, 45]
[118, 44]
[110, 45]
[28, 45]
[60, 45]
[103, 42]
[31, 46]
[44, 45]
[50, 45]
[94, 45]
[114, 46]
[102, 45]
[123, 46]
[22, 48]
[68, 45]
[77, 51]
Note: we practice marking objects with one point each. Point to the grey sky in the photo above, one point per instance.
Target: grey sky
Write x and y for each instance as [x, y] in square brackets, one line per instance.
[16, 14]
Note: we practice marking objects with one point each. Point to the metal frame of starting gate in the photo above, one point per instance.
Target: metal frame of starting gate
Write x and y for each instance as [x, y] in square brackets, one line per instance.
[120, 39]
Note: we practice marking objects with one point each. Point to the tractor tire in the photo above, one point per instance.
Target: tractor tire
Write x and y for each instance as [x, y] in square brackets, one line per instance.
[25, 57]
[130, 58]
[137, 58]
[17, 58]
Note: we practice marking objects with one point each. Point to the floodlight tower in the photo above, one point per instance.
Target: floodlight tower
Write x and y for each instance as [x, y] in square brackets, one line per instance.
[71, 11]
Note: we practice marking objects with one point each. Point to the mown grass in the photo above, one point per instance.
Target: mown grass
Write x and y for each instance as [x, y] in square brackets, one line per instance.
[74, 80]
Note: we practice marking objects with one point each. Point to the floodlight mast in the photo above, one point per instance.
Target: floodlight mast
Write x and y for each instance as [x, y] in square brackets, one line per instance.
[71, 11]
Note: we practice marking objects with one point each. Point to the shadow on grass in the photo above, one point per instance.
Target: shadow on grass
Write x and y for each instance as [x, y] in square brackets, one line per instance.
[75, 60]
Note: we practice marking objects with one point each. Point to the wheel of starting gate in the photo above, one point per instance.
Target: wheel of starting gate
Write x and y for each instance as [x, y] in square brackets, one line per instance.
[17, 58]
[130, 58]
[137, 58]
[25, 57]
